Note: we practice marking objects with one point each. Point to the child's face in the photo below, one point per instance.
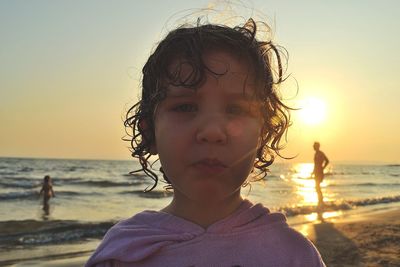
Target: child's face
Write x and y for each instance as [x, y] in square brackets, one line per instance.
[207, 138]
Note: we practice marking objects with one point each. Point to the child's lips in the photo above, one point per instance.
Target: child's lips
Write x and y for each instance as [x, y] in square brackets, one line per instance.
[210, 166]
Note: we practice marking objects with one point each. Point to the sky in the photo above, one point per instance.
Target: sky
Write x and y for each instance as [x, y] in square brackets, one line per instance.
[69, 70]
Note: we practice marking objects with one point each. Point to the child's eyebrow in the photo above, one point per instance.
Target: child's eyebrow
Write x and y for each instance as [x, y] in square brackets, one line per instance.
[181, 92]
[241, 96]
[185, 92]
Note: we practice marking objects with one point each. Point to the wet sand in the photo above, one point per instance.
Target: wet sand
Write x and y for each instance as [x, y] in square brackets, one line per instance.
[71, 255]
[368, 240]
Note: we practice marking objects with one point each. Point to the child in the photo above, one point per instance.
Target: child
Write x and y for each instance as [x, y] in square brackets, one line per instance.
[211, 112]
[47, 190]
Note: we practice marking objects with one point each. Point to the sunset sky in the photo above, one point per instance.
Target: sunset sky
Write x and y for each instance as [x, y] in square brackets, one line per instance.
[70, 69]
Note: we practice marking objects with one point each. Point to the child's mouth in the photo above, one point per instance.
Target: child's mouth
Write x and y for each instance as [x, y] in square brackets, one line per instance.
[210, 166]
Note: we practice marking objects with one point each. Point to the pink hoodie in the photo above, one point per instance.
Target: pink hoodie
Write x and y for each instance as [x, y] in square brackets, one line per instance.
[251, 236]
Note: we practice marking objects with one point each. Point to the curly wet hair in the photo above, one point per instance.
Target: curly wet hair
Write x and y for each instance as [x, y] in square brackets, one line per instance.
[189, 43]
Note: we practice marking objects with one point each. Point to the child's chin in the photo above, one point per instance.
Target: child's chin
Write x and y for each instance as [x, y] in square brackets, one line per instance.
[210, 194]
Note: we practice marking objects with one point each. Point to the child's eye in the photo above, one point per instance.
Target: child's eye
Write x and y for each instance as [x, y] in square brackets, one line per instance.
[185, 108]
[236, 110]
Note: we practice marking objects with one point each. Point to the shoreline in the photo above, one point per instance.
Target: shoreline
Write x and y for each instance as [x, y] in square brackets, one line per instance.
[366, 236]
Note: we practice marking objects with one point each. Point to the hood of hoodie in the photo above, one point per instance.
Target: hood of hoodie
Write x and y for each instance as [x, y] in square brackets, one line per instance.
[147, 232]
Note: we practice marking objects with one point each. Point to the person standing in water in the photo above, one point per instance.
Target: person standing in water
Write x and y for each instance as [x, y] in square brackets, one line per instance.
[320, 163]
[48, 192]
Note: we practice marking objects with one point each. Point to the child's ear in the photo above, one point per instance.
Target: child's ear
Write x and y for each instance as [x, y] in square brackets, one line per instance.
[144, 128]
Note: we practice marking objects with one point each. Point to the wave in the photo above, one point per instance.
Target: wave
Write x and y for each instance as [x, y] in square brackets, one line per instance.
[106, 183]
[19, 195]
[393, 165]
[137, 175]
[271, 176]
[336, 173]
[366, 185]
[30, 183]
[150, 194]
[8, 173]
[374, 201]
[26, 169]
[19, 182]
[303, 210]
[341, 173]
[77, 168]
[338, 205]
[32, 232]
[34, 194]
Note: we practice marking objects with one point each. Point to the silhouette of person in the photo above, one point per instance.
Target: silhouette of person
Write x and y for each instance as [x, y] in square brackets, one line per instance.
[320, 163]
[48, 192]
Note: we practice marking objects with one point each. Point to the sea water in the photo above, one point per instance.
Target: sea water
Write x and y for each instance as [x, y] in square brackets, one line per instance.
[91, 195]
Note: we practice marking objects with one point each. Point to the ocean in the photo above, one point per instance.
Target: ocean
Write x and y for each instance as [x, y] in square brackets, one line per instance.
[91, 195]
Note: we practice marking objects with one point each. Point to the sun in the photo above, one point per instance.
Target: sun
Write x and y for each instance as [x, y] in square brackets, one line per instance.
[312, 111]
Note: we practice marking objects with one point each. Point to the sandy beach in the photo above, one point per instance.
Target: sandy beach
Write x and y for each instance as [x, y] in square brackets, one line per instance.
[370, 238]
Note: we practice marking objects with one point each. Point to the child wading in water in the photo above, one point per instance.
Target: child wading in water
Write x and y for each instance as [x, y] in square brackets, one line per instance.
[211, 112]
[47, 191]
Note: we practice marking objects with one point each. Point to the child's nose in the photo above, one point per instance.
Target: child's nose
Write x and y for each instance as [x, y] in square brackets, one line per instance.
[212, 130]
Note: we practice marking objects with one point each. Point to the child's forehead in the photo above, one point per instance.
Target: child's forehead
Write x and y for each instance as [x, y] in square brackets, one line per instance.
[177, 92]
[225, 86]
[221, 61]
[217, 64]
[217, 61]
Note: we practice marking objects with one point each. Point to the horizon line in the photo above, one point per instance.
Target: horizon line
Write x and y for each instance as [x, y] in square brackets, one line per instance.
[361, 162]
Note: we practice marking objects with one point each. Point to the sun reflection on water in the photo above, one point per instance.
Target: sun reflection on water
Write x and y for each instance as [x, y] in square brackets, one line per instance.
[304, 188]
[324, 215]
[305, 184]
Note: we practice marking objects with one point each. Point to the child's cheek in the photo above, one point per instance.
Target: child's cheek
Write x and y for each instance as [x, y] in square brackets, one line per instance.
[235, 128]
[238, 128]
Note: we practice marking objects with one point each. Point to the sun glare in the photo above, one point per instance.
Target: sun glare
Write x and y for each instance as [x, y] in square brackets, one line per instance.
[312, 111]
[305, 183]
